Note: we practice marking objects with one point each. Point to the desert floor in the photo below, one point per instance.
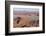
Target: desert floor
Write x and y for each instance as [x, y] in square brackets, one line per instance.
[26, 21]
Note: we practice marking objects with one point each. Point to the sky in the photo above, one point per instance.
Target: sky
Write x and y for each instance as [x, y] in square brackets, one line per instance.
[24, 10]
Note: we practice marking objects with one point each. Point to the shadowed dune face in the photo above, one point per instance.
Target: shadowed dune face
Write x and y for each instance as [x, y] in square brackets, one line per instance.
[26, 21]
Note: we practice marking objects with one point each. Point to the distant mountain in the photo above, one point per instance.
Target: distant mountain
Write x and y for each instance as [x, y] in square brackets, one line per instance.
[26, 13]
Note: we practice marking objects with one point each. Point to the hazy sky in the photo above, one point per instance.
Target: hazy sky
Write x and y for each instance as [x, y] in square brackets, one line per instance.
[25, 10]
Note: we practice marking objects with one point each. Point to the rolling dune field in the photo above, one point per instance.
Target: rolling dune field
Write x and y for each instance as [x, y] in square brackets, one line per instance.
[25, 20]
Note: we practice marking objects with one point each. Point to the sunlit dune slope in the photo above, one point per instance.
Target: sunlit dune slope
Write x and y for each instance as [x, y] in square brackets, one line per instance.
[26, 21]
